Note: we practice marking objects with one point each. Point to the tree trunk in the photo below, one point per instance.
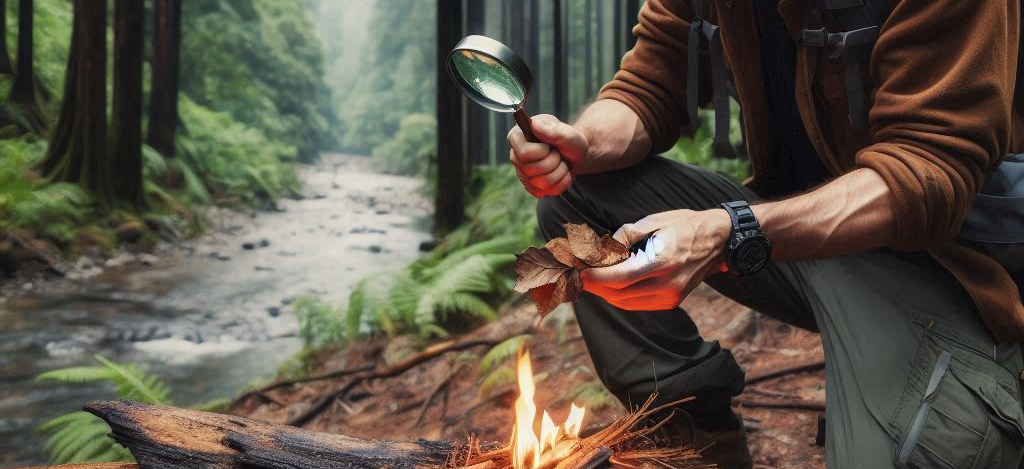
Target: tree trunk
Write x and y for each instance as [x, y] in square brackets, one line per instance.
[172, 438]
[126, 117]
[632, 12]
[619, 31]
[5, 56]
[25, 92]
[78, 149]
[22, 89]
[163, 100]
[588, 44]
[450, 185]
[476, 116]
[533, 54]
[559, 61]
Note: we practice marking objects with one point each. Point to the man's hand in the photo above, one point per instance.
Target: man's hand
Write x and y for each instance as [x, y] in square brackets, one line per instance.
[693, 246]
[546, 167]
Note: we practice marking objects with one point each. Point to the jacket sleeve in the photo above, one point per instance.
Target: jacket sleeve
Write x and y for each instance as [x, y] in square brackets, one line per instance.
[945, 73]
[651, 78]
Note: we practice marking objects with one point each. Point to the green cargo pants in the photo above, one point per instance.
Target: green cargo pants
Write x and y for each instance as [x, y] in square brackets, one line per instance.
[912, 377]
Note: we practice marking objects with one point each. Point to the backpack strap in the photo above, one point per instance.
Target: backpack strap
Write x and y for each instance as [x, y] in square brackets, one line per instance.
[699, 28]
[862, 20]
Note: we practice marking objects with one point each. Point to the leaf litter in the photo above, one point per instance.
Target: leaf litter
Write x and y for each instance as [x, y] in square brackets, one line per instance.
[551, 274]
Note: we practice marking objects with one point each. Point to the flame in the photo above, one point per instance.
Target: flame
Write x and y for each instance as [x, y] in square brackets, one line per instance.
[526, 445]
[574, 422]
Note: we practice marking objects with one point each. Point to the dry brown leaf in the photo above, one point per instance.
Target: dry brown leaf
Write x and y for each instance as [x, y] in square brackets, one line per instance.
[559, 247]
[565, 290]
[536, 267]
[584, 243]
[612, 251]
[552, 274]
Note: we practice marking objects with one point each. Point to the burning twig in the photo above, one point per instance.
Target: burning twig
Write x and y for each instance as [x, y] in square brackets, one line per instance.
[626, 442]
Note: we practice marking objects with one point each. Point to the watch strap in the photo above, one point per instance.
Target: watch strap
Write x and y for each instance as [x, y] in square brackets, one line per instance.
[742, 216]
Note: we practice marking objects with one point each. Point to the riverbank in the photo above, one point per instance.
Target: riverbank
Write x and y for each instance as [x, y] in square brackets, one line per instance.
[208, 315]
[454, 396]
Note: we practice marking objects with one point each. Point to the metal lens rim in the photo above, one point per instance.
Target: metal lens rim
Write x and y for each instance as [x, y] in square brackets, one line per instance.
[500, 53]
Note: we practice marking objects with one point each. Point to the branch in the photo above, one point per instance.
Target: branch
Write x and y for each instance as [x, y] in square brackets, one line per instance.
[795, 404]
[426, 355]
[171, 438]
[814, 365]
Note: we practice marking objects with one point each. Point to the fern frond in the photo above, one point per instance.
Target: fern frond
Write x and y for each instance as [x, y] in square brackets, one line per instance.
[497, 378]
[78, 374]
[593, 395]
[133, 383]
[502, 352]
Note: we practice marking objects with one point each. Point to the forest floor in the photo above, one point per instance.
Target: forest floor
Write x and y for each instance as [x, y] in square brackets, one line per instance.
[441, 399]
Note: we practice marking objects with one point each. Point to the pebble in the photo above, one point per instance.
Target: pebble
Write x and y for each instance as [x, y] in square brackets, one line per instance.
[264, 243]
[274, 311]
[375, 249]
[248, 246]
[26, 286]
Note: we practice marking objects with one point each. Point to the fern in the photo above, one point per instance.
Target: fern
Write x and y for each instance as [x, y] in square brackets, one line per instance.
[502, 352]
[592, 395]
[497, 378]
[82, 437]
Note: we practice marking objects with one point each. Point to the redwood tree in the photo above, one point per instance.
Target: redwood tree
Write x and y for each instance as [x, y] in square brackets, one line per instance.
[126, 120]
[78, 148]
[5, 57]
[25, 91]
[163, 100]
[448, 199]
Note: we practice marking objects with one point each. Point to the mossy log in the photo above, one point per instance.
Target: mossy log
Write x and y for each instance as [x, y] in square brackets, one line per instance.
[163, 437]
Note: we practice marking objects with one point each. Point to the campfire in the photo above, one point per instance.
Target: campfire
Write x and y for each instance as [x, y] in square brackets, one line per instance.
[635, 441]
[554, 442]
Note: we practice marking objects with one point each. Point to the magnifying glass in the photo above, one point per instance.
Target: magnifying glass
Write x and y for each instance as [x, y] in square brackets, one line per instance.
[493, 76]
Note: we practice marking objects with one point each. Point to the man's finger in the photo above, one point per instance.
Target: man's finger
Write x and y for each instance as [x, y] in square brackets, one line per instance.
[632, 233]
[524, 151]
[562, 185]
[618, 276]
[548, 181]
[523, 178]
[549, 129]
[542, 166]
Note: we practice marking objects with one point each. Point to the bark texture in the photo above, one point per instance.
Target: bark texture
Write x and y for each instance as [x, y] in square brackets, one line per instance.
[163, 106]
[127, 106]
[170, 438]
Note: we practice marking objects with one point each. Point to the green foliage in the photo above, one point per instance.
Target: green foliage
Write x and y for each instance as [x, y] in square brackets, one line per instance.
[697, 151]
[410, 151]
[320, 323]
[380, 81]
[592, 395]
[82, 437]
[502, 376]
[232, 159]
[52, 211]
[431, 295]
[261, 62]
[502, 352]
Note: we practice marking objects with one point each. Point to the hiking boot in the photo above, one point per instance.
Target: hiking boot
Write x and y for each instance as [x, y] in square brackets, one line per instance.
[724, 449]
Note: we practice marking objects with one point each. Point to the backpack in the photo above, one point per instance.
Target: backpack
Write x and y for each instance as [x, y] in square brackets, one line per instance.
[994, 224]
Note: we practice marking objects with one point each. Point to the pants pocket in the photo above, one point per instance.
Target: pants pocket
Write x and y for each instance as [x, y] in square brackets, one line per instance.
[955, 414]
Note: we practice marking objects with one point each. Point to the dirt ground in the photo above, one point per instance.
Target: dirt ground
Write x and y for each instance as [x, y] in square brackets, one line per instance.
[391, 408]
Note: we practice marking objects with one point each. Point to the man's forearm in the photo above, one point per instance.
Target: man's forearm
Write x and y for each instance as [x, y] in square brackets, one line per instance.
[851, 214]
[616, 137]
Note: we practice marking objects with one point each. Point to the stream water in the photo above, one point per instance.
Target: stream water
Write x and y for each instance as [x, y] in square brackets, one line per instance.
[215, 317]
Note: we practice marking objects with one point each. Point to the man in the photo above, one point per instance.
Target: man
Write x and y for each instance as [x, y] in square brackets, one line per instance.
[920, 333]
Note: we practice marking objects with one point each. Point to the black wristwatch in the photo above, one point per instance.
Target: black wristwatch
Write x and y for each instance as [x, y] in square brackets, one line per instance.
[748, 250]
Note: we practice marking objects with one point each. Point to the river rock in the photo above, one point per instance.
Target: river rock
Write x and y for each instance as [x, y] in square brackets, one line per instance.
[248, 246]
[274, 311]
[130, 231]
[375, 249]
[264, 242]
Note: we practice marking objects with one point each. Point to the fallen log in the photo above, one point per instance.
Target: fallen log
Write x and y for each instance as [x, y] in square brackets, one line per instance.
[170, 438]
[91, 465]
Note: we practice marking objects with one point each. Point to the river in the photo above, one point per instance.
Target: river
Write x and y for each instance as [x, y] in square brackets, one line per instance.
[215, 316]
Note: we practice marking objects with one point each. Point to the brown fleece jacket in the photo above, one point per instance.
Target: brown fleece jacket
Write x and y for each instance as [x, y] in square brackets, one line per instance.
[943, 73]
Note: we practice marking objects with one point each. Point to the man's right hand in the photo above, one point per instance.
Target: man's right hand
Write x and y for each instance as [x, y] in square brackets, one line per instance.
[546, 167]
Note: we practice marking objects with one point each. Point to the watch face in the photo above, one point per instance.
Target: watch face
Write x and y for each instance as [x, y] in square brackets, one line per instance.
[751, 255]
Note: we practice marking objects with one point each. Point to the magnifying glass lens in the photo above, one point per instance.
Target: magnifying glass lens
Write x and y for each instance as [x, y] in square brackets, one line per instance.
[490, 80]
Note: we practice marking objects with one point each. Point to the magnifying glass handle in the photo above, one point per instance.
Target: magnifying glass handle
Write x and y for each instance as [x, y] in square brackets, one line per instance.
[523, 120]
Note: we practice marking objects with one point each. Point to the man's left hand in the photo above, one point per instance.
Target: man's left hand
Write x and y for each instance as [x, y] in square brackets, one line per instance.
[692, 248]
